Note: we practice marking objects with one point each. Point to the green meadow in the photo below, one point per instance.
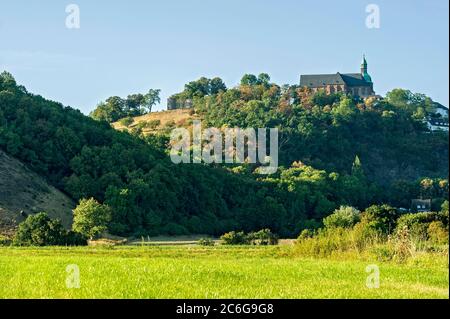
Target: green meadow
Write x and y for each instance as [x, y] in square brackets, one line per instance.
[212, 272]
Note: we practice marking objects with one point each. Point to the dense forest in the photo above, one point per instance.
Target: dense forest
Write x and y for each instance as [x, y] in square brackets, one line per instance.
[334, 150]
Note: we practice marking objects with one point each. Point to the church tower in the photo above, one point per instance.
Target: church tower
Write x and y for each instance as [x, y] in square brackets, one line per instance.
[364, 72]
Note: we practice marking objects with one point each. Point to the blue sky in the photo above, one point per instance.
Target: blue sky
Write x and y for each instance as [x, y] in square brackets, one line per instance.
[125, 47]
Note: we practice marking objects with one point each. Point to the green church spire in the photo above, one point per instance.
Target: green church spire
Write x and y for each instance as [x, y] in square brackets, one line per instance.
[364, 72]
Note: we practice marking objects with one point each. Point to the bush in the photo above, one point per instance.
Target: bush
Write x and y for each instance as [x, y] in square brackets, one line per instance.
[263, 237]
[418, 223]
[444, 208]
[306, 233]
[364, 235]
[170, 124]
[437, 233]
[75, 239]
[90, 218]
[206, 242]
[5, 241]
[153, 124]
[127, 121]
[40, 230]
[327, 241]
[382, 218]
[345, 217]
[404, 247]
[235, 238]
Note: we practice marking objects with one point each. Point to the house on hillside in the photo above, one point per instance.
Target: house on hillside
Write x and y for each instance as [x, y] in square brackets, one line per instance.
[436, 124]
[439, 120]
[421, 205]
[356, 84]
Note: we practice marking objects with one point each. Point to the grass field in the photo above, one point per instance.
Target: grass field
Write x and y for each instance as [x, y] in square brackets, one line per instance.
[215, 272]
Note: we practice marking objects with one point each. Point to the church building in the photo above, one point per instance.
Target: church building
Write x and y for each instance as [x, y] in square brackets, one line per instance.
[357, 84]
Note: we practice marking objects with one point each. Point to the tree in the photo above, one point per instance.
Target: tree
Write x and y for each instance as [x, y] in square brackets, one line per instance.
[216, 86]
[199, 88]
[151, 98]
[115, 108]
[91, 218]
[235, 238]
[7, 80]
[249, 79]
[357, 169]
[134, 104]
[344, 217]
[345, 109]
[263, 79]
[263, 237]
[110, 111]
[381, 218]
[40, 230]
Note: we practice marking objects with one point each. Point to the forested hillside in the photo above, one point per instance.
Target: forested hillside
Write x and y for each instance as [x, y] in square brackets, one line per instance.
[328, 131]
[345, 152]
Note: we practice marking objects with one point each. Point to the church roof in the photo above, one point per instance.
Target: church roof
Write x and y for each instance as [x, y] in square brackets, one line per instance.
[320, 80]
[355, 79]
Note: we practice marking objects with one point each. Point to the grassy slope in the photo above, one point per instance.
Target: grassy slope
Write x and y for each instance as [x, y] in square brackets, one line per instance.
[180, 117]
[216, 272]
[22, 189]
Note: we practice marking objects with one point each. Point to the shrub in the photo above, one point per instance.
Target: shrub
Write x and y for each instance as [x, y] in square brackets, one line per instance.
[418, 223]
[90, 218]
[437, 233]
[382, 218]
[328, 241]
[263, 237]
[4, 241]
[170, 124]
[40, 230]
[235, 238]
[404, 247]
[206, 242]
[75, 239]
[306, 233]
[153, 124]
[126, 121]
[364, 235]
[325, 243]
[444, 208]
[345, 217]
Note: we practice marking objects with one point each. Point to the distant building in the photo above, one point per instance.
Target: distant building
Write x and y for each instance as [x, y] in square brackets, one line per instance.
[421, 205]
[356, 84]
[436, 124]
[174, 103]
[439, 120]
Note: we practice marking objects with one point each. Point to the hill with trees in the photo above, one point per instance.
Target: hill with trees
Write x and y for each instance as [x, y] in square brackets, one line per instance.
[335, 151]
